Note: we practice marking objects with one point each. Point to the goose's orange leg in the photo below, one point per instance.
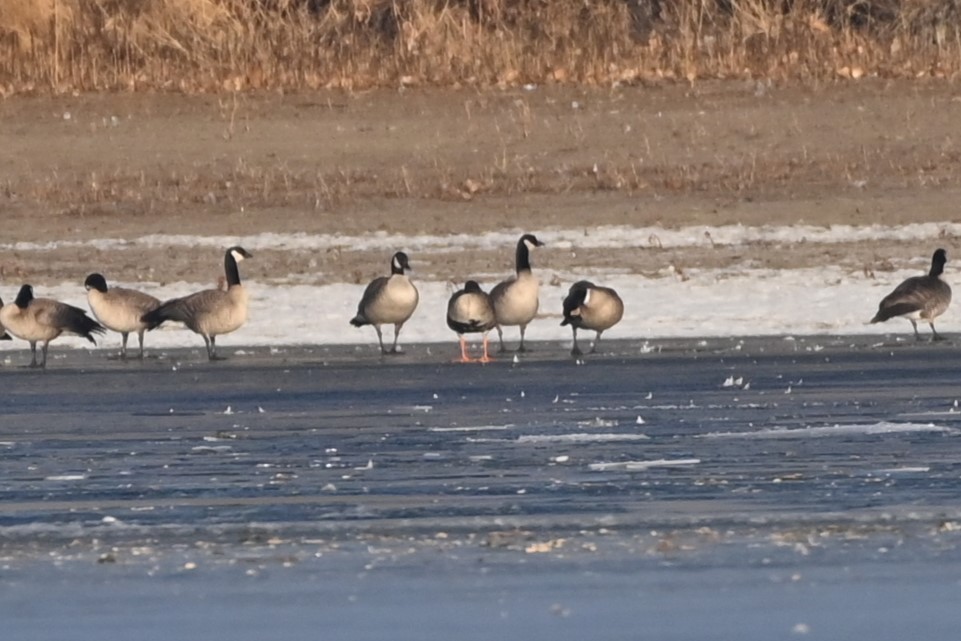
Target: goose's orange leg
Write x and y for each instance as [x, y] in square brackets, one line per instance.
[486, 357]
[464, 357]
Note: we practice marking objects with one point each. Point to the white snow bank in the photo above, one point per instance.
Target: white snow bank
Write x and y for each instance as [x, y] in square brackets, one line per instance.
[718, 302]
[603, 236]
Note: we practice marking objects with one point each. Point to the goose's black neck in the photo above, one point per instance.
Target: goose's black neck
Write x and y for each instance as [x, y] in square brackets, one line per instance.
[574, 300]
[230, 270]
[24, 296]
[522, 259]
[937, 263]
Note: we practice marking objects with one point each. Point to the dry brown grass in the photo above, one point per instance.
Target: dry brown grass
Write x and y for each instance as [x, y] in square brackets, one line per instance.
[230, 45]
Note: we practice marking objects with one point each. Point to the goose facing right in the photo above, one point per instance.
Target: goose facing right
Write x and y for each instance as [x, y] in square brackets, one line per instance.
[919, 298]
[40, 320]
[588, 306]
[388, 300]
[119, 309]
[470, 311]
[210, 312]
[515, 300]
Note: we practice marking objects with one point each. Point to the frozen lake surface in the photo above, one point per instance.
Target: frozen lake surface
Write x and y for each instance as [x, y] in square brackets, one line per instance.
[727, 488]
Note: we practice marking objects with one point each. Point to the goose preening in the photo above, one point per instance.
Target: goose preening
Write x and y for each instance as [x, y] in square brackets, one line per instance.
[588, 306]
[210, 312]
[119, 309]
[515, 299]
[919, 298]
[470, 311]
[388, 300]
[43, 319]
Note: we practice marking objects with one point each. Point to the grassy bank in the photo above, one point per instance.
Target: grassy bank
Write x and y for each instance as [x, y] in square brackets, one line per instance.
[229, 45]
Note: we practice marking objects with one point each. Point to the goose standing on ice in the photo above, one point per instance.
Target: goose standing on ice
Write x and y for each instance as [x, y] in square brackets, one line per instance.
[210, 312]
[388, 300]
[4, 336]
[919, 298]
[43, 319]
[515, 299]
[588, 306]
[119, 309]
[470, 311]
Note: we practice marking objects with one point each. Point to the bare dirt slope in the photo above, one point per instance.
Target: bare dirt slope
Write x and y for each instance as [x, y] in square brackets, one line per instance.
[449, 161]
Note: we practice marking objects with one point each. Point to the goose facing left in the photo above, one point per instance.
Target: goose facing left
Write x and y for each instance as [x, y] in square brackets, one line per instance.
[119, 309]
[211, 312]
[919, 298]
[589, 306]
[40, 320]
[388, 300]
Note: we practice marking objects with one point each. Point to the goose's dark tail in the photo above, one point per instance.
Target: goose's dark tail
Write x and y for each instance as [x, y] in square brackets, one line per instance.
[80, 324]
[162, 314]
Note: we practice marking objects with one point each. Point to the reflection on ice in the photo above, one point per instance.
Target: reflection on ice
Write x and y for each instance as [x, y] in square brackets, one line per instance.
[637, 466]
[822, 431]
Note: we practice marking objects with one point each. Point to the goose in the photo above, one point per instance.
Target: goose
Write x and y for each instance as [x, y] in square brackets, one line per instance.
[588, 306]
[470, 311]
[119, 310]
[210, 312]
[388, 299]
[43, 319]
[4, 336]
[515, 299]
[919, 298]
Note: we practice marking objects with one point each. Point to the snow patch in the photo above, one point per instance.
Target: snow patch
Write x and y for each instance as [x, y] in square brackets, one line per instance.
[706, 302]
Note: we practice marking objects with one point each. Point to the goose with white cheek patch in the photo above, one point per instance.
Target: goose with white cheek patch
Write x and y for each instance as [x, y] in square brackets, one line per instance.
[470, 311]
[588, 306]
[119, 309]
[211, 312]
[516, 299]
[40, 320]
[388, 300]
[919, 298]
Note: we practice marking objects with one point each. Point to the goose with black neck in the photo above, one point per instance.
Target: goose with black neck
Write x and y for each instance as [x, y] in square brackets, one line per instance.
[211, 312]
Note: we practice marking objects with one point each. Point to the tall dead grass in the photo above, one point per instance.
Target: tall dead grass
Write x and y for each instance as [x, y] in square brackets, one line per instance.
[217, 45]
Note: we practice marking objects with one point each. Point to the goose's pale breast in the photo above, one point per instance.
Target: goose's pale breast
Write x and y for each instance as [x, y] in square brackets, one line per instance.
[28, 324]
[394, 303]
[224, 313]
[516, 300]
[121, 310]
[602, 312]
